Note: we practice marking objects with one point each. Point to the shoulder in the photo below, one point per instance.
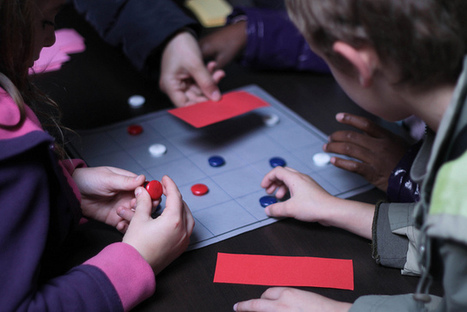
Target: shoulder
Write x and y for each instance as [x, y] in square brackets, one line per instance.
[10, 116]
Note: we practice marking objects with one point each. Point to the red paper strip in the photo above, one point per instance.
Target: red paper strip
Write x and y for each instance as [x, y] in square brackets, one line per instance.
[284, 271]
[206, 113]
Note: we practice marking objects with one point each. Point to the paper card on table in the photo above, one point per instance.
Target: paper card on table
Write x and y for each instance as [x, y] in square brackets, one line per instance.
[206, 113]
[284, 271]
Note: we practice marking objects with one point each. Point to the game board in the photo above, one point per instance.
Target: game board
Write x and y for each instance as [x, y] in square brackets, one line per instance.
[231, 206]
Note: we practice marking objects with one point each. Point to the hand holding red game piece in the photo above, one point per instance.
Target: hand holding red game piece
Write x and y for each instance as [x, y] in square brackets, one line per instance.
[154, 189]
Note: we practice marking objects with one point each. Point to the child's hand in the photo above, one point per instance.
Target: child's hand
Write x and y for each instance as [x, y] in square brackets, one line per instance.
[379, 150]
[105, 191]
[290, 300]
[163, 239]
[225, 44]
[308, 200]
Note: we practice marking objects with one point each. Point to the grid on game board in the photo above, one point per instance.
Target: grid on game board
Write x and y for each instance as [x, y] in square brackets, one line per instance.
[245, 142]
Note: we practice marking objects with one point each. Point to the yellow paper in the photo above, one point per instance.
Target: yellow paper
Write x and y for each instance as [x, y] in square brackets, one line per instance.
[210, 13]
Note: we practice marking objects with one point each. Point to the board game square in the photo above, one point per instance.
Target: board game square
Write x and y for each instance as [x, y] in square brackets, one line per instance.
[232, 161]
[86, 144]
[263, 165]
[251, 203]
[214, 196]
[255, 147]
[239, 182]
[118, 159]
[169, 125]
[142, 155]
[200, 233]
[126, 140]
[224, 217]
[182, 171]
[343, 180]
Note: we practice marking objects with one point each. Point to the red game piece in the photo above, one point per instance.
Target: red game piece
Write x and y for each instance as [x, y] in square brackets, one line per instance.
[154, 189]
[134, 129]
[199, 189]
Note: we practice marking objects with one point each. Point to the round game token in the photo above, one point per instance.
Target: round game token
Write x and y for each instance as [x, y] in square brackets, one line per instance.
[277, 161]
[134, 129]
[199, 189]
[216, 161]
[136, 101]
[321, 159]
[157, 150]
[267, 200]
[271, 120]
[154, 189]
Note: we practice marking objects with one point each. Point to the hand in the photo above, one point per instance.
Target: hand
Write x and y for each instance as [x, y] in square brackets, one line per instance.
[378, 149]
[184, 77]
[308, 200]
[160, 240]
[225, 44]
[311, 203]
[290, 300]
[105, 191]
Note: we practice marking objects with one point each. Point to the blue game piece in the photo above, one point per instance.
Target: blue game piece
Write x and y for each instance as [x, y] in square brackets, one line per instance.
[277, 161]
[216, 161]
[267, 200]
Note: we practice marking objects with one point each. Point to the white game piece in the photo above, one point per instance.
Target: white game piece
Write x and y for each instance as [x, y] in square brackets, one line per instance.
[136, 101]
[271, 120]
[157, 150]
[321, 159]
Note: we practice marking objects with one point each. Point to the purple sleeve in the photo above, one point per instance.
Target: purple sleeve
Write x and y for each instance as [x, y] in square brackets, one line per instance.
[36, 219]
[275, 43]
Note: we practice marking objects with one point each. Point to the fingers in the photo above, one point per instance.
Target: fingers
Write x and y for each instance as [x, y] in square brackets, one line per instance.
[143, 205]
[361, 123]
[350, 165]
[206, 83]
[175, 206]
[350, 149]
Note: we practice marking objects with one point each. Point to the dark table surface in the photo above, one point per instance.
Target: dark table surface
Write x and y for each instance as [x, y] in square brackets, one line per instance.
[92, 90]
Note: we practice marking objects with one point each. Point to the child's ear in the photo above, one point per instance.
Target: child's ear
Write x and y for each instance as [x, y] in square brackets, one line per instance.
[361, 59]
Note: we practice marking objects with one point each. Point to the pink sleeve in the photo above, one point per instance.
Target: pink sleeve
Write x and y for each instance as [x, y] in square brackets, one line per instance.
[69, 166]
[128, 272]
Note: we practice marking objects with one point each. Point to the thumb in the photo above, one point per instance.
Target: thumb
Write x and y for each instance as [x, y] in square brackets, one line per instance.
[143, 204]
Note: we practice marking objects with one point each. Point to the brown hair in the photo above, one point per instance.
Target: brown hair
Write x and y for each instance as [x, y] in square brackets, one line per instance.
[16, 51]
[425, 39]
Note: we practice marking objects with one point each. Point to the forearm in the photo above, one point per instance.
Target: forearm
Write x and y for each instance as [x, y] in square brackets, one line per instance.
[353, 216]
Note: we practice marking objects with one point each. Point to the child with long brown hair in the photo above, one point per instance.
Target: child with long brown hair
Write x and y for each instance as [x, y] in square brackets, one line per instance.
[43, 195]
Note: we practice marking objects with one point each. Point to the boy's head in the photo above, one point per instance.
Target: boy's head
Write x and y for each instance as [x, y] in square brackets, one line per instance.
[424, 39]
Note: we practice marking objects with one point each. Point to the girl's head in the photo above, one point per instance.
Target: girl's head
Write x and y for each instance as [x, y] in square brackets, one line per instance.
[26, 26]
[424, 39]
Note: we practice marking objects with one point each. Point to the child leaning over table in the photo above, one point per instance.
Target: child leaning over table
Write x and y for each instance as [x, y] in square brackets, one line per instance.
[43, 195]
[395, 58]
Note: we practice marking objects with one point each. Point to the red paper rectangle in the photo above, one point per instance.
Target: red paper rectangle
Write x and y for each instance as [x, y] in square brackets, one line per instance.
[284, 271]
[206, 113]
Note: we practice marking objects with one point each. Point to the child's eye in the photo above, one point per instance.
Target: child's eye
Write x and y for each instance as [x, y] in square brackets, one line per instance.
[47, 23]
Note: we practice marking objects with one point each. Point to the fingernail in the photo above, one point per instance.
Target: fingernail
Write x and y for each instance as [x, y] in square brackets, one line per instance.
[325, 146]
[235, 307]
[266, 210]
[340, 116]
[216, 95]
[138, 191]
[136, 178]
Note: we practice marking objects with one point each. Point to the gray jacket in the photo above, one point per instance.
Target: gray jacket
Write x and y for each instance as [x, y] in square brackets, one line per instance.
[412, 236]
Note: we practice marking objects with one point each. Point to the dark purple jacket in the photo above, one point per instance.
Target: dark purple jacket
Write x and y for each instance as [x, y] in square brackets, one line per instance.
[40, 209]
[275, 43]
